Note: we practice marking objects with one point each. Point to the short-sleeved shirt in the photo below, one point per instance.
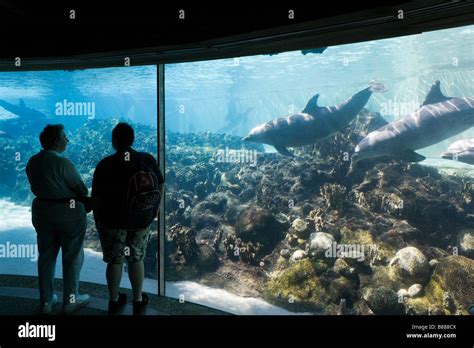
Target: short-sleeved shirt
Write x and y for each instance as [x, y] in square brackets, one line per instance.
[110, 186]
[51, 177]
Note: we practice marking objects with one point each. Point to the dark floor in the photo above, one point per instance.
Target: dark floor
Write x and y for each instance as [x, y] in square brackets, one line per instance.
[19, 296]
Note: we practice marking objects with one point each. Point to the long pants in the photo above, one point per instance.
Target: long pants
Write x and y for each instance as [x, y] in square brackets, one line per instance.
[69, 236]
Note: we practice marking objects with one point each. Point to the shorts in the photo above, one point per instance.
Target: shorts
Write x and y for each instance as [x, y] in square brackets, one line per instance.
[120, 244]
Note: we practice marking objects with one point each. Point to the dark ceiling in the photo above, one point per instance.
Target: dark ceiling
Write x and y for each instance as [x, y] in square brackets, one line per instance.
[38, 29]
[45, 36]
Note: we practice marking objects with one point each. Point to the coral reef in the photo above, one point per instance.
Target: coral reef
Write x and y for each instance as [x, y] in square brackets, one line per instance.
[400, 234]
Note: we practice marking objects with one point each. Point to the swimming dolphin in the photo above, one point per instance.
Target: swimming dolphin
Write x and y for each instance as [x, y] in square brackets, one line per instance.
[438, 118]
[22, 110]
[5, 135]
[461, 150]
[313, 123]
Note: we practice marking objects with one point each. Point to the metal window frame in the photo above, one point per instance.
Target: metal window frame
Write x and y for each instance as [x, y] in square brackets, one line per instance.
[161, 161]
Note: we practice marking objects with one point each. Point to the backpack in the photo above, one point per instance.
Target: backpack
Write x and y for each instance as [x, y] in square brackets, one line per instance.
[143, 195]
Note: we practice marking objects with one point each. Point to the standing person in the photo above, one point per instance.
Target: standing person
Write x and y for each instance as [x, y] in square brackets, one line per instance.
[59, 219]
[126, 191]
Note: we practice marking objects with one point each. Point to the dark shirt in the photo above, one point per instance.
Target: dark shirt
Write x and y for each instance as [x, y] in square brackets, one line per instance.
[110, 186]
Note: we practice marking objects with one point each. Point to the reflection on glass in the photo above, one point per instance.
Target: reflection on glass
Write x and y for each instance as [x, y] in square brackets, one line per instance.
[272, 218]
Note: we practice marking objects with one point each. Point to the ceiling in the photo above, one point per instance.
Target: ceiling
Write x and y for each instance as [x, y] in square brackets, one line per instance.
[45, 36]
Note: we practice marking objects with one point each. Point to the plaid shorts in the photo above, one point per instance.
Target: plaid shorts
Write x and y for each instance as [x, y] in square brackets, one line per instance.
[120, 244]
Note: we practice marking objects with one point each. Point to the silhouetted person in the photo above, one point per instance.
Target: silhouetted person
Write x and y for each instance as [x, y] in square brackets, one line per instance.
[59, 219]
[126, 191]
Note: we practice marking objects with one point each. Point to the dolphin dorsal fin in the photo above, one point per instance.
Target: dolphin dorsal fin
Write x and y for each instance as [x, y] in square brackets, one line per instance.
[311, 106]
[22, 103]
[435, 95]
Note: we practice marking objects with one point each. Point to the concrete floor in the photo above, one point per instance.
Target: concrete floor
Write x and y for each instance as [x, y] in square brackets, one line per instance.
[19, 296]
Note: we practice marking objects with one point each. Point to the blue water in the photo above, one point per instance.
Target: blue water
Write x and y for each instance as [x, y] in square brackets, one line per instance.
[117, 92]
[274, 86]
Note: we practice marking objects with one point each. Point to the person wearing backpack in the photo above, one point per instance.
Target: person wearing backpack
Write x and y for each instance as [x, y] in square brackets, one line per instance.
[126, 192]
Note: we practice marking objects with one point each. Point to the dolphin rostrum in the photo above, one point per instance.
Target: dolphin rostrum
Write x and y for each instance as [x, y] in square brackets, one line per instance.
[461, 150]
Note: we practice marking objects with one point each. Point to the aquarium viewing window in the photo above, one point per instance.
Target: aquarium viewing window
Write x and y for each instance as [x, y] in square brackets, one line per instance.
[333, 180]
[89, 103]
[305, 215]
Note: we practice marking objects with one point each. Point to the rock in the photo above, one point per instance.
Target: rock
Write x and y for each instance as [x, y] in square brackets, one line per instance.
[200, 189]
[247, 252]
[344, 269]
[401, 234]
[341, 266]
[465, 242]
[333, 195]
[292, 240]
[206, 260]
[233, 212]
[297, 288]
[298, 255]
[410, 266]
[415, 290]
[384, 301]
[285, 253]
[433, 263]
[448, 302]
[319, 242]
[342, 288]
[300, 228]
[402, 293]
[258, 225]
[452, 276]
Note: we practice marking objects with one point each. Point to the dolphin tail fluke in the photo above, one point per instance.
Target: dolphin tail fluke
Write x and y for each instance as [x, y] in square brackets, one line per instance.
[283, 151]
[377, 87]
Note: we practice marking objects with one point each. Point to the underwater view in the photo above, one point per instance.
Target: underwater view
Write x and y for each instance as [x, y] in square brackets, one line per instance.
[334, 181]
[89, 103]
[330, 181]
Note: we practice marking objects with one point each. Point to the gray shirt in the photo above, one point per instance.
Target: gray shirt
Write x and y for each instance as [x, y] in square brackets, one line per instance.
[52, 176]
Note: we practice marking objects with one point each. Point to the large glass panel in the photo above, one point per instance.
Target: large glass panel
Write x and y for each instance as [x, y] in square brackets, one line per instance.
[315, 213]
[89, 103]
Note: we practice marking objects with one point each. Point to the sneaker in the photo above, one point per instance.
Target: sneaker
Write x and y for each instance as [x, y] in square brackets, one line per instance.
[80, 301]
[139, 307]
[47, 307]
[116, 307]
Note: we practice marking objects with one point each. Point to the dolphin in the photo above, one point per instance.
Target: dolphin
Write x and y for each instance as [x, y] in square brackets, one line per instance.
[22, 110]
[5, 135]
[438, 118]
[314, 123]
[461, 150]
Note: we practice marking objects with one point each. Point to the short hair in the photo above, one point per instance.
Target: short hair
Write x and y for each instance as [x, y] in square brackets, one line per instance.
[123, 135]
[50, 134]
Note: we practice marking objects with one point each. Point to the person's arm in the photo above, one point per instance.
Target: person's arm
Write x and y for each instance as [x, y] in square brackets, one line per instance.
[73, 179]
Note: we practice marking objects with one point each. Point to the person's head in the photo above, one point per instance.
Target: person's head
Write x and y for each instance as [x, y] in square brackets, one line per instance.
[122, 136]
[53, 138]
